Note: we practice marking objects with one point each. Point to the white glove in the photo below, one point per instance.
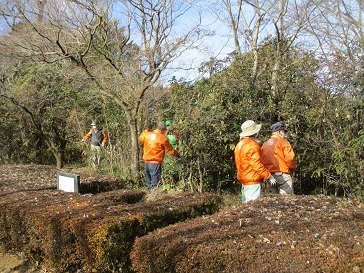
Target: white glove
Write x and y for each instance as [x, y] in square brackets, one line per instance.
[102, 144]
[272, 181]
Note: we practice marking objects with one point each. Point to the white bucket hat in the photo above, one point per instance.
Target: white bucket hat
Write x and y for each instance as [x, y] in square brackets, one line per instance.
[249, 128]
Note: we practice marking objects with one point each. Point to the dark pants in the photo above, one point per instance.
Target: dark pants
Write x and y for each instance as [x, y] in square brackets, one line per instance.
[153, 174]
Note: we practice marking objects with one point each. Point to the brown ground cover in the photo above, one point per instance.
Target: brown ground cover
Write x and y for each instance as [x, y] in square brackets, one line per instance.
[69, 232]
[273, 234]
[24, 179]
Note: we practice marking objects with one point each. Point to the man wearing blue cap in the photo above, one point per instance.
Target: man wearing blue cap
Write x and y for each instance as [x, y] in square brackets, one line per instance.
[279, 158]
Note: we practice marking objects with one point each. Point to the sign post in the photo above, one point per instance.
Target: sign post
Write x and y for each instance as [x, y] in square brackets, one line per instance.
[68, 182]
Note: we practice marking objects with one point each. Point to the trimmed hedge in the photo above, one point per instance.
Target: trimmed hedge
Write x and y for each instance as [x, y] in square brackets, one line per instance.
[95, 233]
[40, 223]
[272, 234]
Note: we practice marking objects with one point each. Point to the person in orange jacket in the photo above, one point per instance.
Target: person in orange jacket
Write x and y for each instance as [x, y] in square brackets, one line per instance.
[250, 170]
[279, 158]
[155, 144]
[98, 137]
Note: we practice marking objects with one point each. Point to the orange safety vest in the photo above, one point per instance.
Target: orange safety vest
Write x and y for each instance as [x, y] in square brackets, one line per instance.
[155, 144]
[278, 155]
[248, 162]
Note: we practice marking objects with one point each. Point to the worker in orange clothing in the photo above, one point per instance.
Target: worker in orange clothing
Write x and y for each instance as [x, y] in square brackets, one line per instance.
[250, 170]
[279, 158]
[98, 137]
[155, 144]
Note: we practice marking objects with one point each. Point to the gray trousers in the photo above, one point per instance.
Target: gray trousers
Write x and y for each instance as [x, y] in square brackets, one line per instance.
[284, 184]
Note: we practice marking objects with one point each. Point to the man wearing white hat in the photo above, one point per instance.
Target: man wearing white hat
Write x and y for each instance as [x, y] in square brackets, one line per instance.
[250, 170]
[98, 138]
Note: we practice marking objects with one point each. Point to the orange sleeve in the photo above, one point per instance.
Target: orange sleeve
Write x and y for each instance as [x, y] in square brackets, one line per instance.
[88, 135]
[104, 136]
[288, 155]
[142, 136]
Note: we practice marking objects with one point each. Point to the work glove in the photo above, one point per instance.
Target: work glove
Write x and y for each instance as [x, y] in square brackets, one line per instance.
[272, 181]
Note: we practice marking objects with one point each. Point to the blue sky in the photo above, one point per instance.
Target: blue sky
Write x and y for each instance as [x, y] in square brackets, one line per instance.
[217, 46]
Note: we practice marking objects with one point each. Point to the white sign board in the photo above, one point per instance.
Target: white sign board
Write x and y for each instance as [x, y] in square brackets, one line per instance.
[68, 182]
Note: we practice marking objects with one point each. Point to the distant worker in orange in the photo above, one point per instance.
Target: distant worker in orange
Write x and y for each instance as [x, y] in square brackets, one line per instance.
[98, 138]
[250, 170]
[279, 158]
[155, 144]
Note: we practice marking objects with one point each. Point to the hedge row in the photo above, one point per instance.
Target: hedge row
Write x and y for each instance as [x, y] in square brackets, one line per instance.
[95, 233]
[42, 223]
[272, 234]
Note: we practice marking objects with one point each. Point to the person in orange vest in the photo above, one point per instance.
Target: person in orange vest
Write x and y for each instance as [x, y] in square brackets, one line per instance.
[279, 158]
[250, 170]
[155, 144]
[98, 137]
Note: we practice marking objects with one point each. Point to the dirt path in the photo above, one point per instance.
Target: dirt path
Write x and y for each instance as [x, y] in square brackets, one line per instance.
[10, 263]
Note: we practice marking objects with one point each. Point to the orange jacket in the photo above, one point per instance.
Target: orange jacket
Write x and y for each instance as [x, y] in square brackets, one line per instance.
[248, 162]
[155, 145]
[278, 155]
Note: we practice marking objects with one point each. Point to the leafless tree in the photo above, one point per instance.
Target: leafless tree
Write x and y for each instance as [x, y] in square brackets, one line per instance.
[337, 30]
[253, 22]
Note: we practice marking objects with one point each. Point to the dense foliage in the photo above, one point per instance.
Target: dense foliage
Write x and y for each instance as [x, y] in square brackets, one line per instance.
[325, 129]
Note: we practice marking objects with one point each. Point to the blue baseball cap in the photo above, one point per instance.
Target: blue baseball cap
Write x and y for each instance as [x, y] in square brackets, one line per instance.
[278, 127]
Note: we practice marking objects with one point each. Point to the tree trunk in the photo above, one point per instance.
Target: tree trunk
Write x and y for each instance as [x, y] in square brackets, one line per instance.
[59, 160]
[134, 164]
[55, 152]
